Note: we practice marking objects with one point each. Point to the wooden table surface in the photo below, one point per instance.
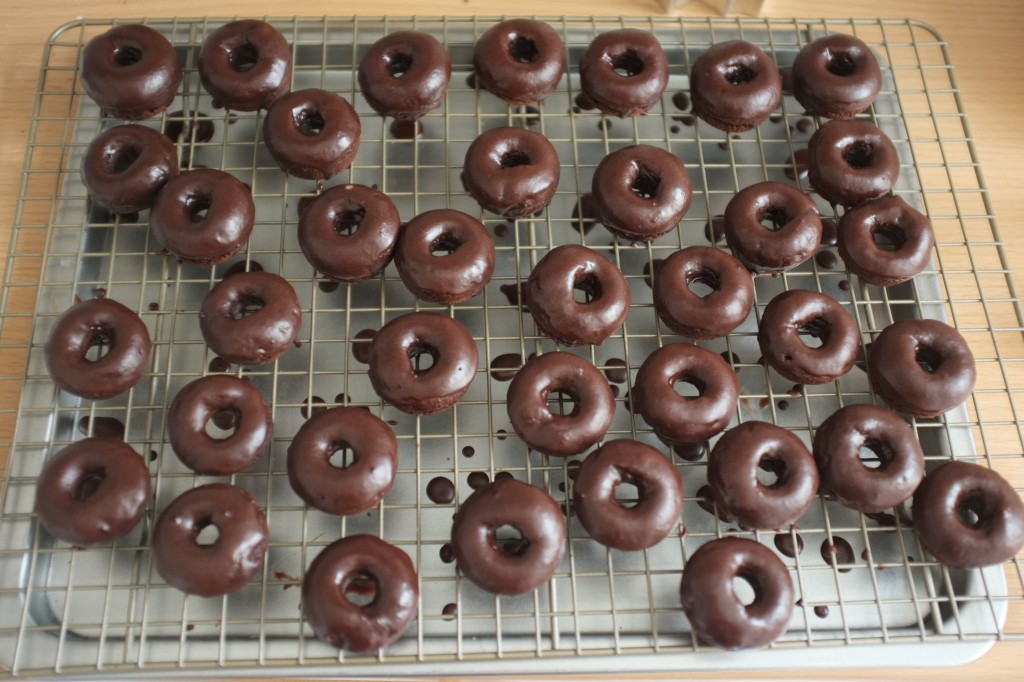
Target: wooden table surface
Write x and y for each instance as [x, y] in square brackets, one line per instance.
[985, 39]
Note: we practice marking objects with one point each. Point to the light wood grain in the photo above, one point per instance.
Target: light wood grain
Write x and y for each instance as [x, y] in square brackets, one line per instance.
[984, 38]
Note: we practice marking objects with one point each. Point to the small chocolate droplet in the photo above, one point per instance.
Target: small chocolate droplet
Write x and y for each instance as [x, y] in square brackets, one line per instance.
[500, 230]
[154, 306]
[219, 364]
[604, 124]
[573, 467]
[501, 434]
[584, 214]
[468, 451]
[132, 217]
[784, 543]
[783, 405]
[202, 128]
[674, 130]
[616, 371]
[502, 475]
[319, 405]
[401, 129]
[102, 427]
[505, 366]
[647, 270]
[797, 165]
[821, 611]
[361, 345]
[440, 490]
[511, 292]
[477, 479]
[829, 232]
[239, 267]
[797, 390]
[844, 285]
[153, 454]
[471, 80]
[449, 611]
[805, 125]
[447, 553]
[681, 101]
[99, 292]
[705, 501]
[714, 229]
[826, 260]
[839, 551]
[328, 285]
[583, 102]
[775, 118]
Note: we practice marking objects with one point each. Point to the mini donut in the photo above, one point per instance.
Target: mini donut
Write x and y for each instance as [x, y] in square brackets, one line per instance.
[908, 231]
[348, 232]
[715, 612]
[92, 492]
[512, 568]
[445, 256]
[364, 482]
[968, 516]
[219, 396]
[921, 368]
[519, 60]
[735, 86]
[659, 491]
[97, 322]
[228, 563]
[131, 71]
[624, 72]
[246, 65]
[393, 362]
[732, 475]
[511, 171]
[346, 625]
[641, 192]
[125, 166]
[549, 295]
[851, 161]
[795, 233]
[712, 316]
[405, 74]
[797, 312]
[203, 216]
[250, 318]
[837, 447]
[560, 435]
[312, 134]
[679, 419]
[836, 76]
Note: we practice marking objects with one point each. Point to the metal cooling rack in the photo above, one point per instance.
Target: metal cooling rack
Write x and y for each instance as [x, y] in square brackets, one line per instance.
[105, 611]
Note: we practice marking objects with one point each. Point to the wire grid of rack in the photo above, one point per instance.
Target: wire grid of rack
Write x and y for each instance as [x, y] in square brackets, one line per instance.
[105, 610]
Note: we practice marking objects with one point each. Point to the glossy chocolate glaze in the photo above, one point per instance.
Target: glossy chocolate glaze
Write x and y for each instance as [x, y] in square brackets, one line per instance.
[794, 237]
[312, 134]
[624, 72]
[124, 167]
[466, 263]
[93, 491]
[902, 226]
[373, 460]
[97, 322]
[511, 171]
[246, 65]
[735, 86]
[688, 314]
[131, 71]
[405, 74]
[851, 161]
[836, 76]
[519, 60]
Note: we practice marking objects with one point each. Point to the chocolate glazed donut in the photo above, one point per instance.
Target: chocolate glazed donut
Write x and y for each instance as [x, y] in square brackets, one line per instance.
[795, 233]
[836, 76]
[445, 256]
[735, 86]
[716, 314]
[511, 567]
[549, 294]
[124, 167]
[894, 221]
[312, 134]
[659, 489]
[250, 318]
[203, 216]
[851, 161]
[356, 487]
[348, 233]
[341, 566]
[624, 72]
[560, 435]
[921, 368]
[519, 60]
[246, 65]
[710, 602]
[511, 171]
[131, 71]
[837, 446]
[227, 564]
[219, 397]
[394, 362]
[93, 491]
[679, 419]
[97, 323]
[797, 312]
[641, 192]
[405, 74]
[968, 516]
[732, 475]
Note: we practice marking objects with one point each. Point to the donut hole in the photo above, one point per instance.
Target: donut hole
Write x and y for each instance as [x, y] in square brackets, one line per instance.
[347, 220]
[197, 207]
[126, 55]
[523, 50]
[342, 455]
[244, 57]
[889, 237]
[222, 424]
[974, 510]
[88, 484]
[422, 358]
[513, 158]
[703, 283]
[858, 155]
[627, 64]
[398, 63]
[360, 589]
[645, 181]
[120, 159]
[309, 121]
[814, 332]
[207, 533]
[773, 218]
[738, 74]
[874, 454]
[561, 402]
[445, 245]
[689, 388]
[587, 289]
[928, 359]
[509, 540]
[627, 493]
[246, 306]
[744, 588]
[101, 340]
[840, 64]
[771, 471]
